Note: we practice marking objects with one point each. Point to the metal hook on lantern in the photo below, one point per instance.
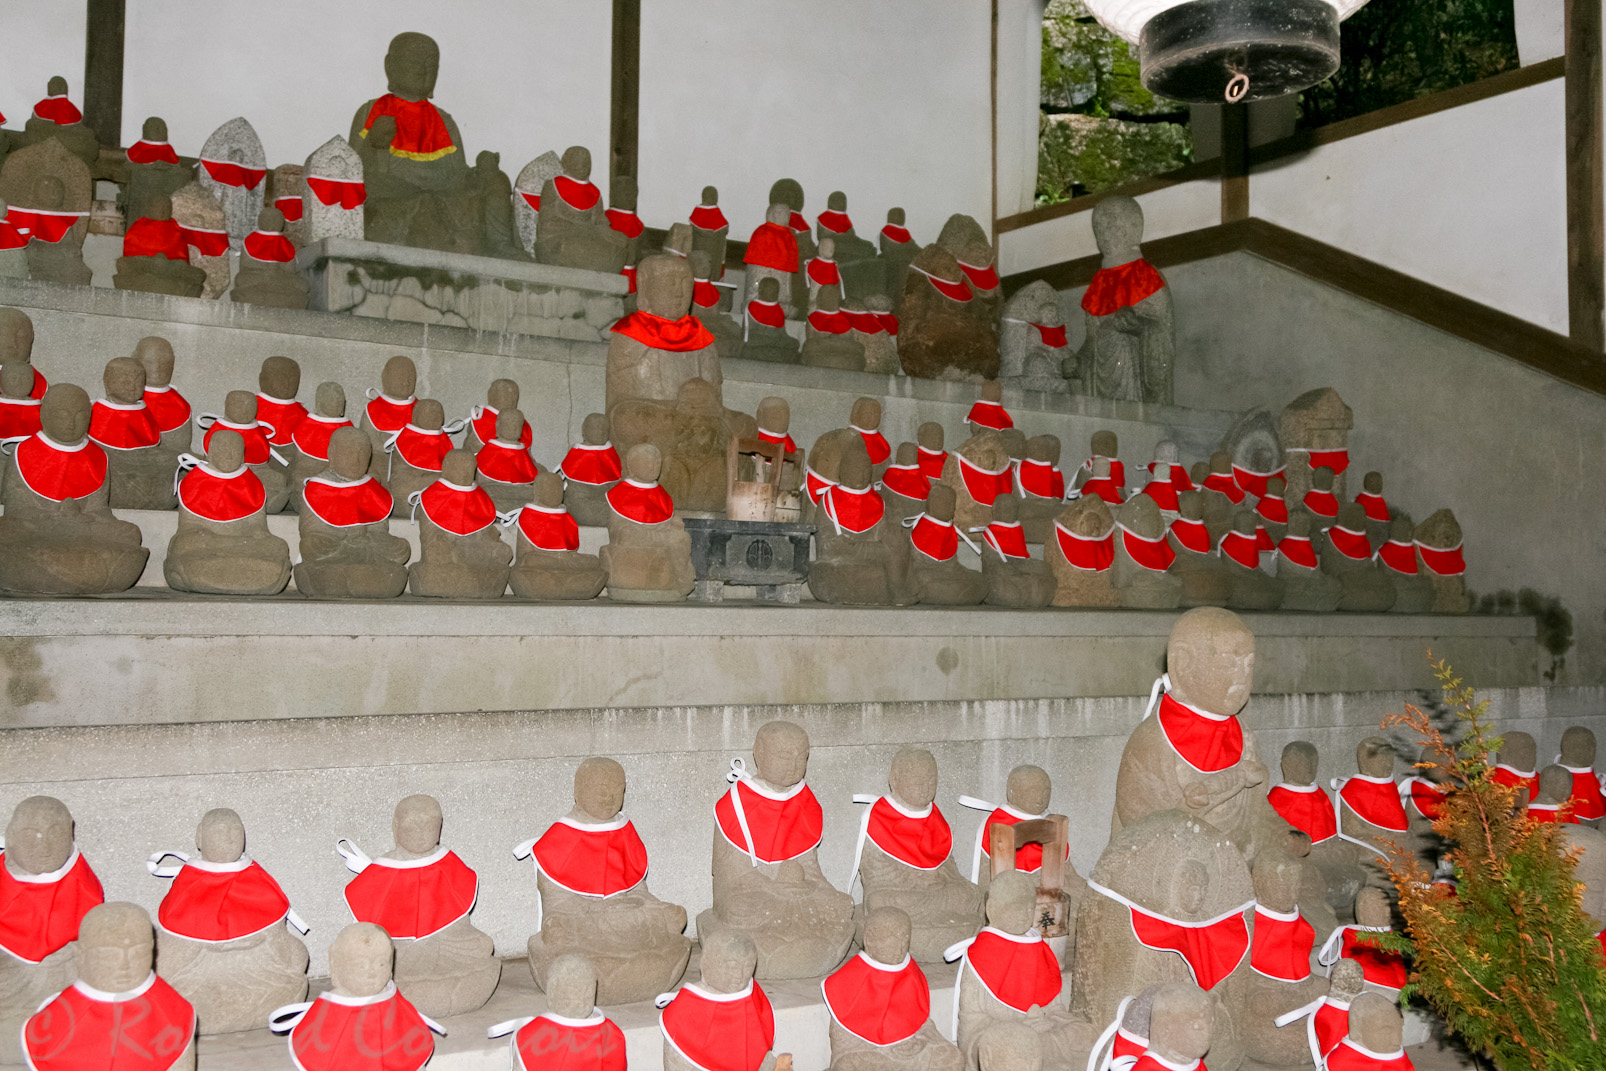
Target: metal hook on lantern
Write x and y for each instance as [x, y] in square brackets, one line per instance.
[1237, 87]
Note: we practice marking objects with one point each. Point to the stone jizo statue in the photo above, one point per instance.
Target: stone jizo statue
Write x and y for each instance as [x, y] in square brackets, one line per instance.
[462, 555]
[880, 1005]
[222, 545]
[550, 565]
[1130, 345]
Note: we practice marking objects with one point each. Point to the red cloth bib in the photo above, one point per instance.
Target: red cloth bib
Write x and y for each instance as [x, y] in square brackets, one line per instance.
[1206, 743]
[1212, 949]
[229, 173]
[955, 291]
[853, 511]
[1353, 545]
[866, 323]
[982, 277]
[213, 496]
[576, 193]
[151, 152]
[1263, 540]
[1527, 780]
[548, 529]
[985, 414]
[1350, 1055]
[58, 473]
[214, 903]
[1191, 535]
[921, 842]
[1298, 549]
[427, 450]
[546, 1044]
[1330, 1024]
[1281, 945]
[257, 450]
[1306, 808]
[1052, 337]
[1255, 482]
[1427, 798]
[270, 247]
[59, 110]
[768, 313]
[381, 1033]
[625, 222]
[1376, 802]
[1123, 285]
[83, 1029]
[312, 434]
[156, 238]
[1399, 557]
[1091, 555]
[876, 1002]
[1223, 482]
[782, 828]
[720, 1031]
[655, 332]
[483, 421]
[531, 199]
[798, 223]
[830, 323]
[1273, 509]
[1375, 507]
[45, 225]
[642, 503]
[505, 462]
[284, 416]
[1164, 493]
[346, 193]
[390, 414]
[1155, 555]
[897, 234]
[592, 861]
[704, 294]
[1322, 503]
[781, 438]
[1551, 813]
[1008, 539]
[875, 444]
[907, 481]
[1241, 548]
[816, 486]
[118, 427]
[937, 540]
[459, 510]
[932, 462]
[985, 485]
[421, 133]
[1337, 460]
[835, 222]
[207, 243]
[1381, 968]
[1587, 802]
[1040, 479]
[413, 898]
[889, 323]
[1020, 971]
[10, 237]
[1028, 857]
[823, 272]
[346, 505]
[41, 917]
[772, 246]
[290, 207]
[1103, 487]
[591, 465]
[19, 418]
[1148, 1061]
[1442, 562]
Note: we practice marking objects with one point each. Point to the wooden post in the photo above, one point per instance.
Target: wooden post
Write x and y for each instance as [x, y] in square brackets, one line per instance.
[992, 229]
[103, 69]
[622, 132]
[1234, 162]
[1586, 220]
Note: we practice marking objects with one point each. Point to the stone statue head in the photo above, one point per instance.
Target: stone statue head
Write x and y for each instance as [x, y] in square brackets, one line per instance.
[594, 429]
[124, 380]
[1346, 980]
[1044, 448]
[1440, 530]
[1275, 487]
[853, 469]
[1012, 902]
[1088, 516]
[781, 753]
[664, 286]
[16, 380]
[624, 193]
[1101, 467]
[886, 935]
[1117, 226]
[788, 192]
[895, 216]
[729, 960]
[1179, 1022]
[154, 129]
[1517, 749]
[710, 195]
[913, 779]
[458, 467]
[548, 490]
[1243, 522]
[429, 414]
[1352, 515]
[411, 65]
[643, 462]
[360, 959]
[510, 426]
[837, 201]
[866, 414]
[1009, 1046]
[64, 413]
[775, 415]
[502, 394]
[116, 947]
[39, 837]
[56, 87]
[280, 378]
[941, 502]
[571, 987]
[1221, 463]
[1372, 907]
[701, 267]
[240, 407]
[1374, 757]
[1401, 528]
[1555, 785]
[1299, 763]
[577, 162]
[156, 208]
[1198, 472]
[769, 290]
[1321, 479]
[1105, 443]
[1211, 659]
[1578, 746]
[349, 453]
[780, 215]
[416, 824]
[599, 788]
[16, 336]
[156, 354]
[1029, 789]
[1277, 881]
[1190, 504]
[399, 378]
[930, 435]
[270, 219]
[826, 248]
[1375, 1023]
[1299, 525]
[1141, 514]
[226, 452]
[1006, 508]
[329, 400]
[1373, 483]
[878, 303]
[220, 838]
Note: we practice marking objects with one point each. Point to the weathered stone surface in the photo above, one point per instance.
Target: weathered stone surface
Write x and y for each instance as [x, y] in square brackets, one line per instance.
[1316, 420]
[646, 561]
[337, 161]
[572, 236]
[531, 180]
[236, 142]
[1129, 351]
[45, 176]
[152, 181]
[457, 561]
[1442, 532]
[360, 561]
[939, 337]
[1088, 518]
[549, 571]
[1028, 360]
[198, 208]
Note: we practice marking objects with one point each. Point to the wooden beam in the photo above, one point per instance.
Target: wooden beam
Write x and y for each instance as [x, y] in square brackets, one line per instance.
[623, 155]
[1586, 221]
[1234, 162]
[103, 69]
[992, 230]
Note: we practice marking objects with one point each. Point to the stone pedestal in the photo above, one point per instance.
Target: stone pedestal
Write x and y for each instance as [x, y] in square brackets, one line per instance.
[768, 556]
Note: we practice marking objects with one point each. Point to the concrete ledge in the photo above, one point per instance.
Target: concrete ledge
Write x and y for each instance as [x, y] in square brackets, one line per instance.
[463, 264]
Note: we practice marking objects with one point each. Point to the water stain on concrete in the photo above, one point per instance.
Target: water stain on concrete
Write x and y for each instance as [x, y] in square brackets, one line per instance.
[25, 684]
[947, 660]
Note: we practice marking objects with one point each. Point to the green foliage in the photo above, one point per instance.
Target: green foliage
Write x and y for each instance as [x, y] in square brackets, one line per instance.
[1396, 50]
[1093, 154]
[1509, 958]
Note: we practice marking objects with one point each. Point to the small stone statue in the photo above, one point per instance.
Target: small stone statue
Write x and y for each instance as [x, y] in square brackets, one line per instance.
[979, 471]
[1320, 503]
[1032, 344]
[332, 195]
[1014, 578]
[278, 383]
[167, 405]
[1140, 571]
[1369, 810]
[1081, 553]
[1252, 588]
[1375, 1036]
[648, 555]
[461, 553]
[19, 412]
[772, 253]
[1098, 481]
[1385, 972]
[233, 167]
[767, 879]
[117, 1007]
[876, 329]
[1280, 979]
[1590, 870]
[1204, 576]
[1397, 559]
[1346, 556]
[154, 170]
[1305, 586]
[550, 566]
[268, 274]
[1438, 543]
[936, 574]
[311, 437]
[1375, 506]
[828, 339]
[203, 227]
[1104, 444]
[940, 336]
[709, 230]
[764, 336]
[506, 469]
[573, 1031]
[49, 193]
[903, 486]
[224, 937]
[788, 193]
[156, 258]
[821, 272]
[1314, 429]
[623, 196]
[16, 348]
[331, 1033]
[589, 471]
[1271, 509]
[591, 867]
[880, 1004]
[421, 894]
[724, 1020]
[1027, 793]
[347, 551]
[139, 473]
[1130, 347]
[933, 458]
[58, 535]
[390, 410]
[56, 118]
[858, 256]
[1578, 759]
[47, 887]
[898, 247]
[417, 452]
[240, 415]
[574, 230]
[711, 303]
[861, 560]
[1517, 765]
[962, 236]
[1308, 808]
[222, 545]
[1181, 1031]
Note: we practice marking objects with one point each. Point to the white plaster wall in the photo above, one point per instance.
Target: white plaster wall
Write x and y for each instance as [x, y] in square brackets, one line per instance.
[1020, 92]
[1168, 211]
[1472, 199]
[1541, 32]
[519, 76]
[888, 102]
[40, 40]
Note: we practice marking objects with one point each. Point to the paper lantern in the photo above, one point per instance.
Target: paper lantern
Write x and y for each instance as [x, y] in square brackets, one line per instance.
[1215, 51]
